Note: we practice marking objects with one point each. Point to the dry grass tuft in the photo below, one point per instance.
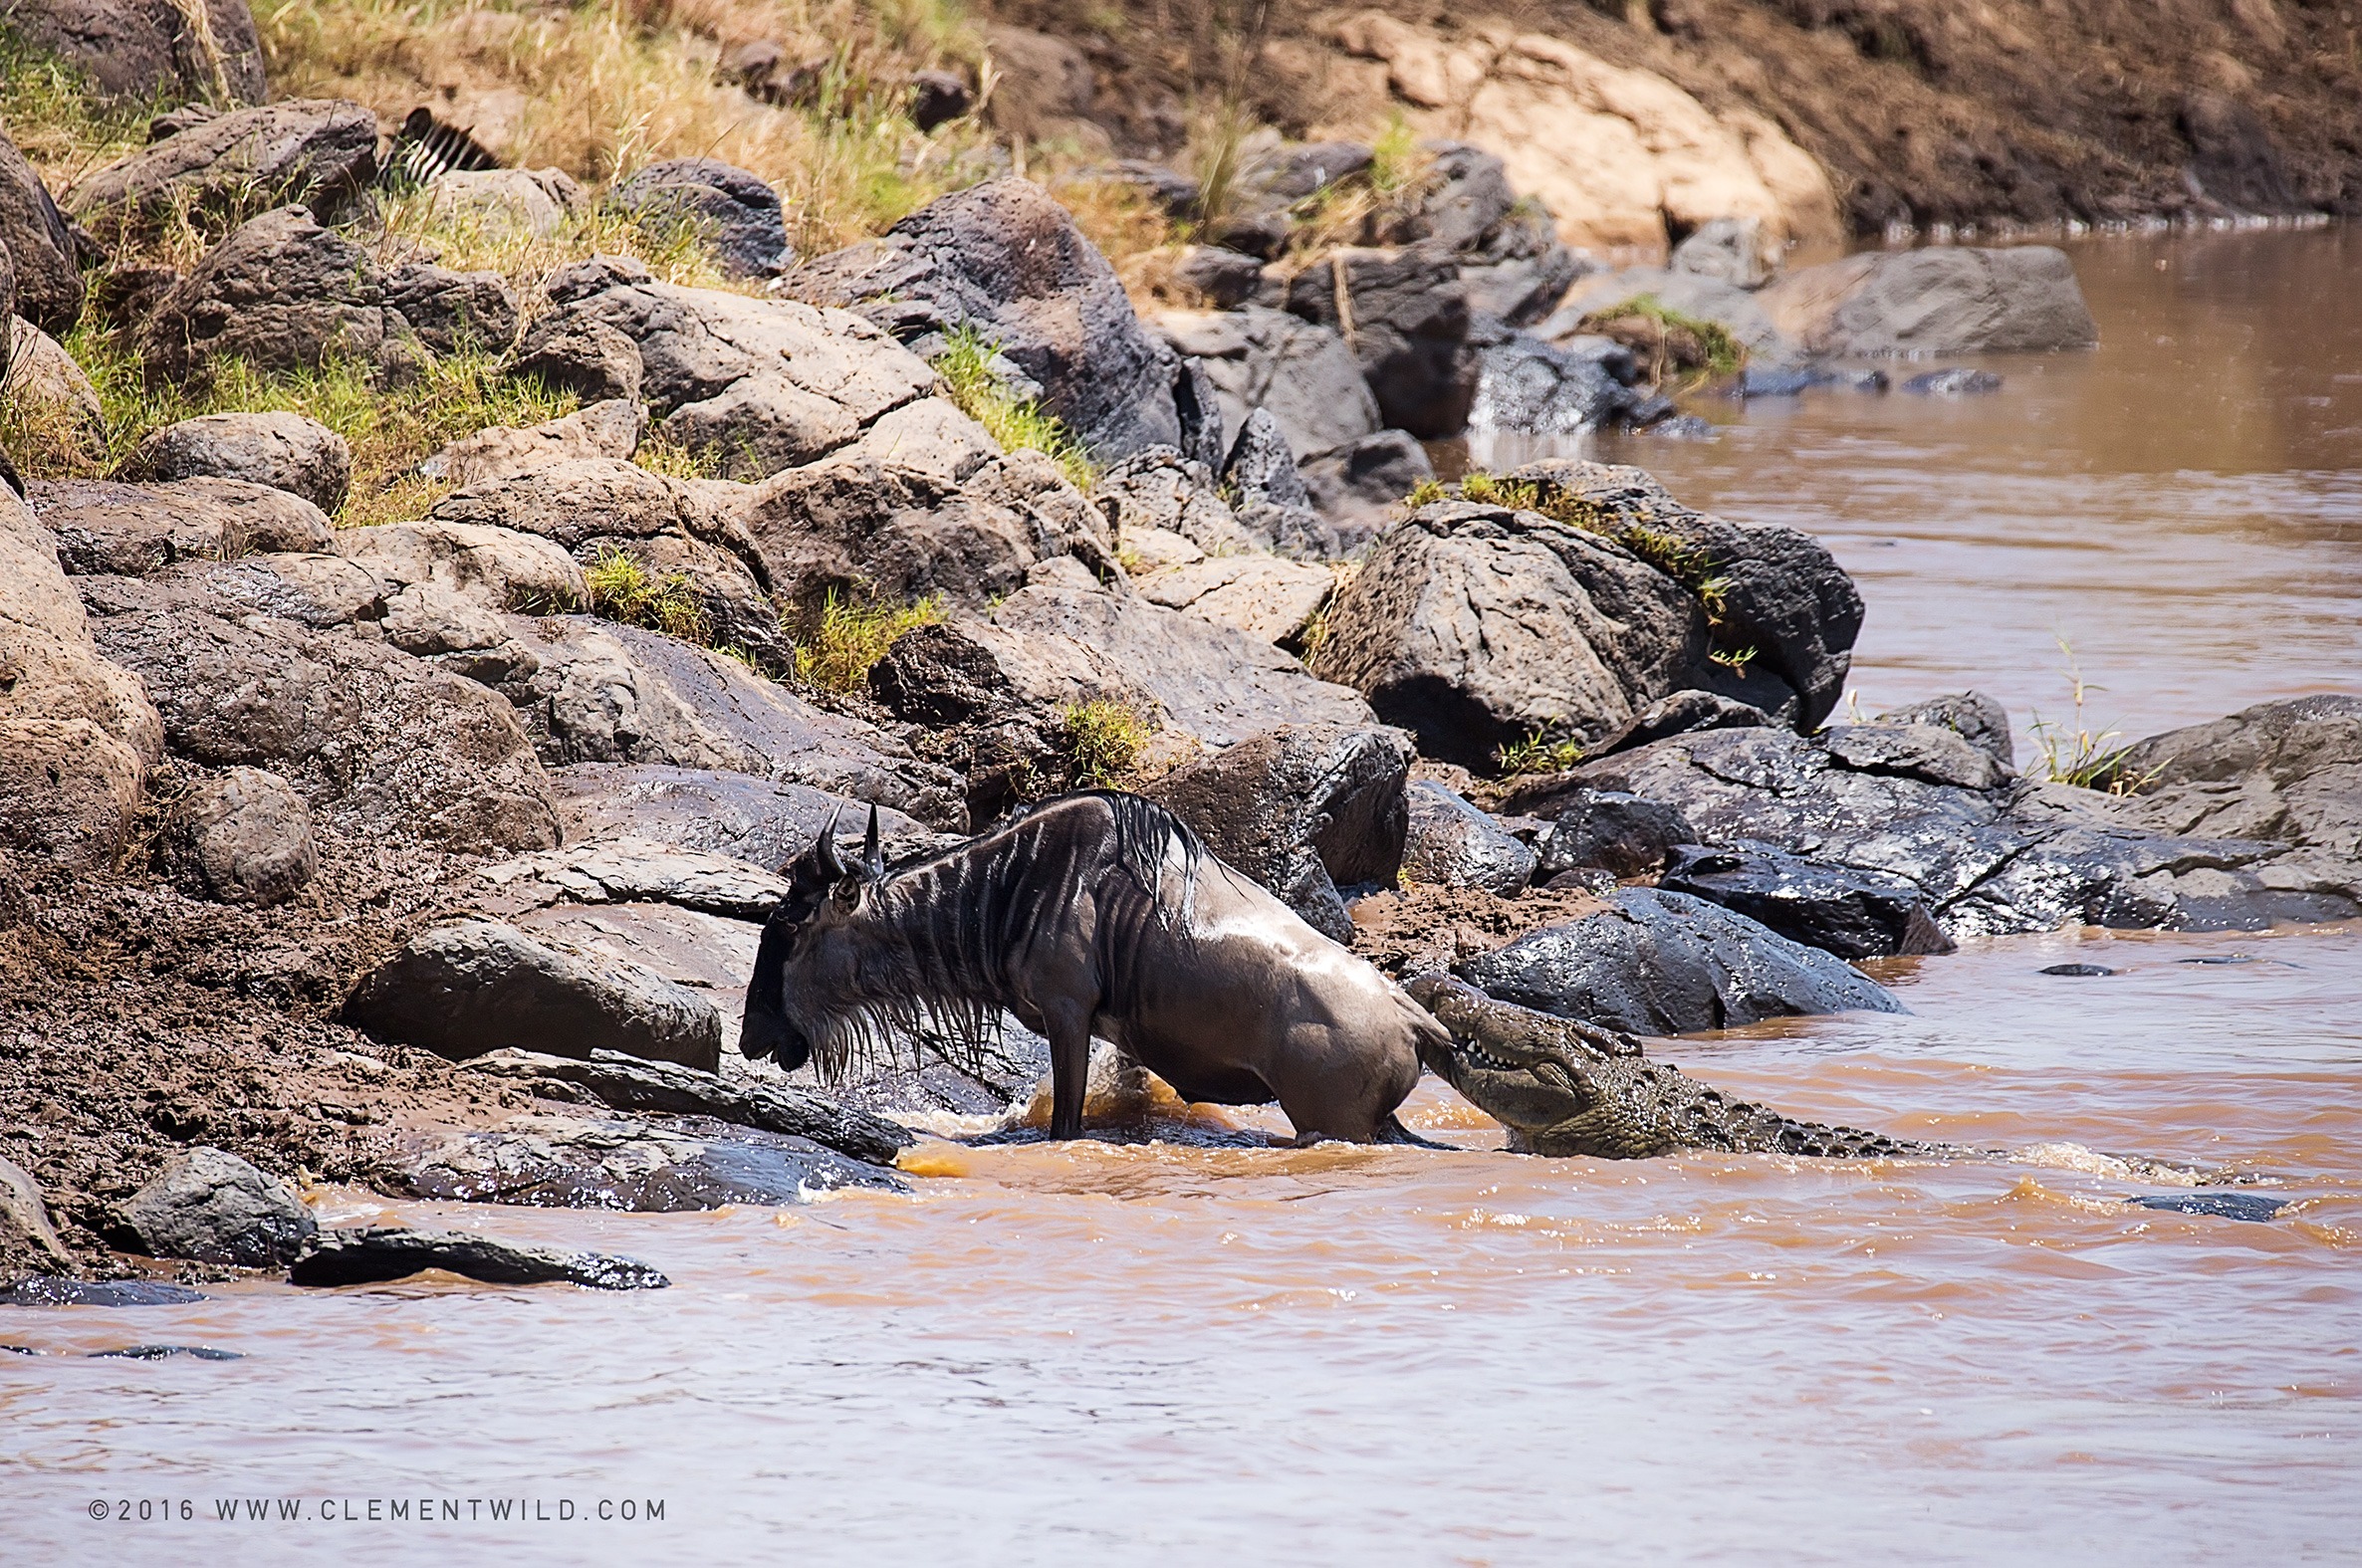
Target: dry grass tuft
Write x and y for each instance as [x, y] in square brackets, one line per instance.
[850, 636]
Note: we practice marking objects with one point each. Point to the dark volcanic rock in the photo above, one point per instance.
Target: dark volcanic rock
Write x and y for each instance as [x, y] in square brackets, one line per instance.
[1619, 833]
[39, 247]
[1301, 810]
[42, 1291]
[1853, 914]
[476, 985]
[136, 531]
[1529, 386]
[1451, 843]
[1408, 328]
[215, 1207]
[319, 152]
[1973, 716]
[759, 820]
[282, 293]
[735, 213]
[381, 1253]
[2289, 770]
[1660, 962]
[685, 1163]
[627, 1083]
[1300, 373]
[454, 312]
[1005, 259]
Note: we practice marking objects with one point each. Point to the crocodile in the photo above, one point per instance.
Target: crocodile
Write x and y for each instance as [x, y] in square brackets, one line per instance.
[1564, 1088]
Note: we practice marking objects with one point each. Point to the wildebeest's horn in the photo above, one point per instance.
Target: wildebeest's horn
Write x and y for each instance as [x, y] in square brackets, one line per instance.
[873, 857]
[832, 864]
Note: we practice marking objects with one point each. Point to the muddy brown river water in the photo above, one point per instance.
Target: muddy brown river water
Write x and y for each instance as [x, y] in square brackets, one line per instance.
[1176, 1353]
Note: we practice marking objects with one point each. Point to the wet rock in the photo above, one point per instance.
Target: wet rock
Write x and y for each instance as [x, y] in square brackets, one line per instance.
[625, 1084]
[378, 1254]
[1853, 914]
[41, 1291]
[1358, 486]
[1975, 717]
[77, 731]
[2288, 770]
[867, 530]
[1300, 373]
[281, 293]
[377, 741]
[737, 216]
[532, 201]
[1475, 626]
[1734, 251]
[1914, 750]
[27, 1237]
[1955, 382]
[320, 152]
[1406, 322]
[1529, 386]
[1663, 963]
[2011, 859]
[1779, 590]
[283, 450]
[1943, 300]
[244, 838]
[39, 247]
[1619, 833]
[1300, 809]
[688, 1163]
[165, 1352]
[105, 527]
[475, 985]
[141, 51]
[454, 312]
[2253, 1206]
[211, 1206]
[1451, 843]
[2077, 970]
[1005, 259]
[611, 429]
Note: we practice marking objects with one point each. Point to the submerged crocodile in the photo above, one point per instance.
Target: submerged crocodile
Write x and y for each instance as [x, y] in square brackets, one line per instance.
[1567, 1088]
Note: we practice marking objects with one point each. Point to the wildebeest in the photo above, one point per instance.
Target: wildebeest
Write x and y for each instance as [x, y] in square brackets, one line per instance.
[1096, 913]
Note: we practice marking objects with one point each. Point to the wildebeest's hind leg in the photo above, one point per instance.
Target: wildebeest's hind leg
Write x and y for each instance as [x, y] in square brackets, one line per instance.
[1068, 1026]
[1354, 1105]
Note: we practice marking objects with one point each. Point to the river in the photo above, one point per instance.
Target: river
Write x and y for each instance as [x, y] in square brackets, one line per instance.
[1180, 1353]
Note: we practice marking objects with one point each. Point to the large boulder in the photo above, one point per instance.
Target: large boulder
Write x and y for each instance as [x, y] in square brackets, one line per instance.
[1452, 844]
[250, 669]
[1853, 913]
[1270, 599]
[283, 450]
[48, 392]
[1475, 626]
[143, 50]
[282, 293]
[1988, 853]
[761, 820]
[77, 731]
[374, 1254]
[574, 1162]
[1658, 963]
[1301, 810]
[39, 246]
[320, 152]
[1528, 386]
[1300, 373]
[1741, 314]
[476, 985]
[136, 530]
[1005, 260]
[1405, 318]
[530, 201]
[609, 429]
[1945, 300]
[865, 530]
[762, 384]
[244, 838]
[2287, 771]
[210, 1206]
[735, 214]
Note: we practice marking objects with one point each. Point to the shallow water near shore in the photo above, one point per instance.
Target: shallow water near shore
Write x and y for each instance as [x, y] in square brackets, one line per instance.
[1173, 1353]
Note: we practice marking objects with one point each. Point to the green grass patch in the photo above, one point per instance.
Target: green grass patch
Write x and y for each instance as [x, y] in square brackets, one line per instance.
[1535, 755]
[1101, 741]
[850, 636]
[57, 116]
[966, 365]
[621, 589]
[1718, 354]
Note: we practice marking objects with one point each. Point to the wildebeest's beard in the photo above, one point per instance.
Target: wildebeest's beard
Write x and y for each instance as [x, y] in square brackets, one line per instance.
[922, 962]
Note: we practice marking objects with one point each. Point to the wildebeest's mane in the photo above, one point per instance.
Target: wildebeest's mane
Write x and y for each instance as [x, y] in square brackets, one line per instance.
[955, 919]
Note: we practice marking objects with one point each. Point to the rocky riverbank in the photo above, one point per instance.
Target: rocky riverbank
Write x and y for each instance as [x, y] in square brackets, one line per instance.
[390, 792]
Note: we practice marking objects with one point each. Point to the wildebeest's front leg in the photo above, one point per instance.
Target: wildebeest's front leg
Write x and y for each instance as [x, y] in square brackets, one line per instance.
[1067, 1024]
